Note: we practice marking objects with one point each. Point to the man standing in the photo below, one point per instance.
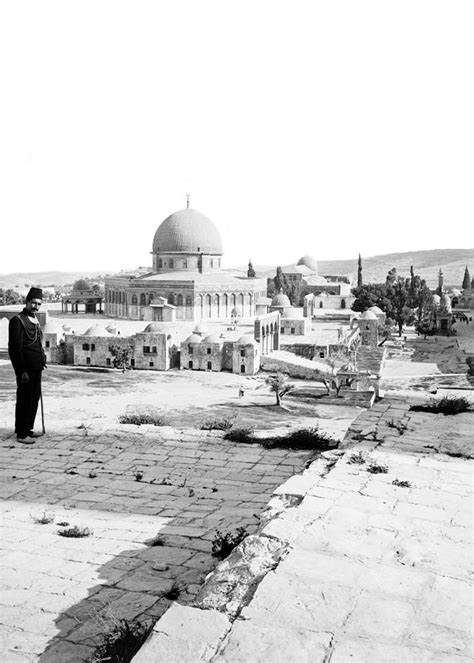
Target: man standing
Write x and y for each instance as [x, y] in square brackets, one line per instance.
[28, 360]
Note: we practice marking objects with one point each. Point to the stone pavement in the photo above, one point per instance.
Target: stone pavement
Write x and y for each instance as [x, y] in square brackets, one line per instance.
[367, 556]
[59, 595]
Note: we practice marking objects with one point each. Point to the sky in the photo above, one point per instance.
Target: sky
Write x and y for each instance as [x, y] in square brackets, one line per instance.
[330, 128]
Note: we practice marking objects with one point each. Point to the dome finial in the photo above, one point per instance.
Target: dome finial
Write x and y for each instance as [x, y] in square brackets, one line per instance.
[187, 200]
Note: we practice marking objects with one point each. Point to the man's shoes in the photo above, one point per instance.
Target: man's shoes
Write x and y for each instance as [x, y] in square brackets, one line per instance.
[24, 440]
[33, 434]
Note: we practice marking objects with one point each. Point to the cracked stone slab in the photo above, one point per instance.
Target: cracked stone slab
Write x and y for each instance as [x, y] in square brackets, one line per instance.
[184, 634]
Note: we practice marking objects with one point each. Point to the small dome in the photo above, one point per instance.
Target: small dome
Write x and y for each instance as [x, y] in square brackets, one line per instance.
[445, 301]
[53, 327]
[96, 330]
[281, 301]
[309, 261]
[81, 284]
[376, 310]
[247, 340]
[152, 327]
[436, 299]
[187, 231]
[200, 328]
[194, 338]
[212, 338]
[368, 315]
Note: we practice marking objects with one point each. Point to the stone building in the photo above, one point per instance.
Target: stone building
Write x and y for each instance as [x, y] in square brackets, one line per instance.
[368, 327]
[83, 298]
[187, 275]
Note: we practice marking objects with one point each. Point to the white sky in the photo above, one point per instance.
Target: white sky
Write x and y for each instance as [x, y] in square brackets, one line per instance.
[331, 128]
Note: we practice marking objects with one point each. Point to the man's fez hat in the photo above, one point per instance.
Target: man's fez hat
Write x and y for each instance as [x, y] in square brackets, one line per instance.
[34, 293]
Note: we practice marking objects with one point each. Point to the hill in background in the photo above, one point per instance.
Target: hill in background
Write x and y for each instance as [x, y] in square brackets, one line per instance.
[375, 268]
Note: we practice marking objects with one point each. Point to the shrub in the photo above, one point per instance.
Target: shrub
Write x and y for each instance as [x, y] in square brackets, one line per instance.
[121, 643]
[75, 532]
[217, 424]
[138, 419]
[399, 425]
[240, 435]
[155, 541]
[448, 405]
[302, 439]
[224, 543]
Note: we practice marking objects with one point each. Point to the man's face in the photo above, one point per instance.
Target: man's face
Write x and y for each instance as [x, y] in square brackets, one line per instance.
[32, 305]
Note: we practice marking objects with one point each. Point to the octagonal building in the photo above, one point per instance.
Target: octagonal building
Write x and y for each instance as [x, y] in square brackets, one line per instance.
[187, 281]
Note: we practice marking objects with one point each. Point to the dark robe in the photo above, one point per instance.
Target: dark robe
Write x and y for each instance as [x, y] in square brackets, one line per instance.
[27, 356]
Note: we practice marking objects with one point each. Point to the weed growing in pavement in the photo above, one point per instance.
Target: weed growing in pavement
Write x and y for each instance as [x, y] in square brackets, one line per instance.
[357, 458]
[399, 425]
[45, 519]
[75, 532]
[376, 468]
[224, 543]
[156, 541]
[218, 424]
[121, 643]
[92, 475]
[63, 524]
[448, 405]
[173, 592]
[401, 484]
[138, 419]
[85, 428]
[138, 475]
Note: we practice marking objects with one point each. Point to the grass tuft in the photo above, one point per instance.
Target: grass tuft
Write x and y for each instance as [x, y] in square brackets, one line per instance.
[357, 458]
[303, 439]
[44, 519]
[217, 424]
[75, 532]
[173, 592]
[376, 468]
[139, 419]
[401, 484]
[120, 644]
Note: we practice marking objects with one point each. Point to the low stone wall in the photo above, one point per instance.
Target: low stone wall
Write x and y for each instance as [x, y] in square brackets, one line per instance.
[296, 369]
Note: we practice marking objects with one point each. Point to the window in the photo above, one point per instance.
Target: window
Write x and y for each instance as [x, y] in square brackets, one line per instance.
[146, 349]
[132, 363]
[160, 263]
[292, 330]
[85, 346]
[154, 349]
[47, 344]
[209, 366]
[242, 368]
[282, 330]
[190, 349]
[190, 364]
[92, 346]
[208, 351]
[185, 264]
[88, 360]
[321, 355]
[107, 361]
[242, 353]
[171, 263]
[151, 364]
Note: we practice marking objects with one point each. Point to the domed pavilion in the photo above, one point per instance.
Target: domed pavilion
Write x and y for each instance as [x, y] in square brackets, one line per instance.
[187, 281]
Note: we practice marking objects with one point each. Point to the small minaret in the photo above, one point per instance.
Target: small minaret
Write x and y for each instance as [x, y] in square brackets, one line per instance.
[439, 290]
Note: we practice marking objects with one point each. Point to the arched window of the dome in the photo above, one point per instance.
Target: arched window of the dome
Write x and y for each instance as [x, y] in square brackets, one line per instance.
[218, 305]
[180, 300]
[185, 264]
[160, 263]
[142, 299]
[171, 299]
[233, 300]
[134, 300]
[201, 305]
[189, 300]
[226, 305]
[209, 305]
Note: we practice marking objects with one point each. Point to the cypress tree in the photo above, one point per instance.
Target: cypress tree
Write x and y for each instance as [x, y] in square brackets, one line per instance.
[251, 272]
[466, 282]
[359, 272]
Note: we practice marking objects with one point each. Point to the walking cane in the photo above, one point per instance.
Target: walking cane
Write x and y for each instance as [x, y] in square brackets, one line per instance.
[42, 412]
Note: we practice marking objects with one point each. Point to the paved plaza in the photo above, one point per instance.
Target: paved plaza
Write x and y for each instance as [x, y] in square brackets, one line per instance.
[60, 594]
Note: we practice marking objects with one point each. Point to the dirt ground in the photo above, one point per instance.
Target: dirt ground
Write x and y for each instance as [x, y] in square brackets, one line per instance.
[184, 399]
